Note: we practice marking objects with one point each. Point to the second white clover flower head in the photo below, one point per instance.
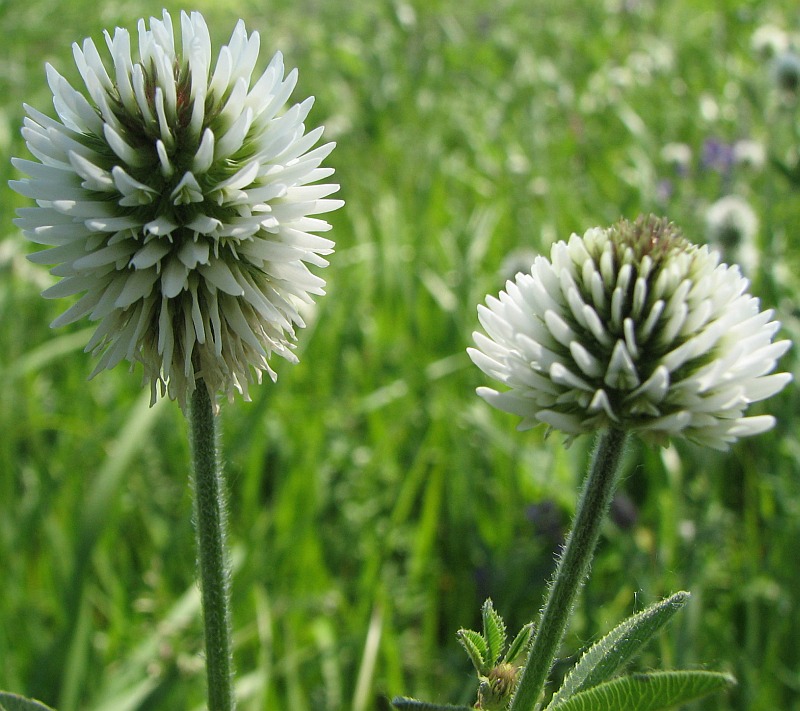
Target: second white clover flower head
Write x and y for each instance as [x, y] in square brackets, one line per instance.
[178, 197]
[631, 327]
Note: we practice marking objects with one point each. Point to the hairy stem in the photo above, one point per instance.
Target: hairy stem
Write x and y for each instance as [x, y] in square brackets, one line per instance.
[210, 519]
[573, 567]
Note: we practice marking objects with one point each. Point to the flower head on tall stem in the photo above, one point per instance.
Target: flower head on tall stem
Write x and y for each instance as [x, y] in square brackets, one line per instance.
[178, 200]
[633, 328]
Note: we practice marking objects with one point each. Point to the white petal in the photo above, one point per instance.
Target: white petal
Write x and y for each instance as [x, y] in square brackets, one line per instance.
[571, 424]
[559, 328]
[123, 149]
[671, 424]
[621, 372]
[235, 103]
[765, 387]
[167, 139]
[165, 164]
[193, 253]
[218, 274]
[237, 321]
[161, 226]
[49, 190]
[134, 192]
[266, 86]
[173, 278]
[105, 304]
[601, 403]
[140, 91]
[561, 375]
[94, 177]
[65, 287]
[105, 256]
[151, 254]
[230, 190]
[205, 225]
[204, 157]
[655, 388]
[187, 191]
[112, 224]
[588, 364]
[138, 285]
[232, 140]
[749, 426]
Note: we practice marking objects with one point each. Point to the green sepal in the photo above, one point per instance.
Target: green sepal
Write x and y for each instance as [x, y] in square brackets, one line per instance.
[476, 648]
[494, 632]
[403, 702]
[519, 647]
[648, 692]
[12, 702]
[602, 660]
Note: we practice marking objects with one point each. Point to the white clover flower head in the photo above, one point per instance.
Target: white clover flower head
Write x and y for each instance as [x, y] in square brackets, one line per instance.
[635, 328]
[178, 200]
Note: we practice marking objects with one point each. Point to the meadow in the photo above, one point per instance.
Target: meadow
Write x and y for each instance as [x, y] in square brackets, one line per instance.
[375, 501]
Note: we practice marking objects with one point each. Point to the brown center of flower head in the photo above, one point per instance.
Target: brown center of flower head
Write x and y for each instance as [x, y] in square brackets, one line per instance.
[648, 235]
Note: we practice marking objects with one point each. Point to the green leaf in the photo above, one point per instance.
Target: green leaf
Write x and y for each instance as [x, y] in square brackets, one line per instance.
[476, 648]
[648, 692]
[602, 660]
[519, 647]
[12, 702]
[788, 172]
[494, 631]
[403, 702]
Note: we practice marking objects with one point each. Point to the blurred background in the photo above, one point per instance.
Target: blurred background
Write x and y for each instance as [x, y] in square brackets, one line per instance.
[375, 500]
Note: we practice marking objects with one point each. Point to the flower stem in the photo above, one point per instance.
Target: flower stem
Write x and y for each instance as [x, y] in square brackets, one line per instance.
[573, 567]
[210, 519]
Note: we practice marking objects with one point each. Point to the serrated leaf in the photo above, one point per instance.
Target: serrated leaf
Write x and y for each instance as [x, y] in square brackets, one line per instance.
[519, 647]
[12, 702]
[476, 648]
[648, 692]
[602, 660]
[403, 702]
[494, 632]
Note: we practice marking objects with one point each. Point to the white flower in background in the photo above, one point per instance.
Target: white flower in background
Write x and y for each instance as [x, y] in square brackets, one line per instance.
[786, 70]
[768, 41]
[519, 260]
[631, 327]
[732, 225]
[749, 154]
[177, 197]
[677, 155]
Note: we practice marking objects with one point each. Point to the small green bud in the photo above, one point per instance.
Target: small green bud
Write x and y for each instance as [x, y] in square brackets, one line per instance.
[495, 690]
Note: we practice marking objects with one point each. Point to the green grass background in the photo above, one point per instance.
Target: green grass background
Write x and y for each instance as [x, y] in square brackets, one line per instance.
[375, 500]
